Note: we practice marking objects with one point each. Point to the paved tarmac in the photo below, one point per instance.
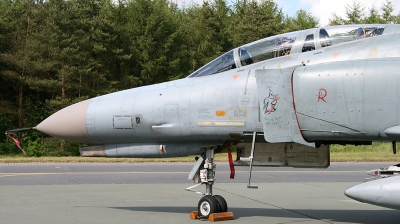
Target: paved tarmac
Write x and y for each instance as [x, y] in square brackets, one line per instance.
[154, 193]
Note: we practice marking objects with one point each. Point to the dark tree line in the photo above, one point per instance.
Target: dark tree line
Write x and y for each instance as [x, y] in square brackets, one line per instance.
[54, 53]
[356, 13]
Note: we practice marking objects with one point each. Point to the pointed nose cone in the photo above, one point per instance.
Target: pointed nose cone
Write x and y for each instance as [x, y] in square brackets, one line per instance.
[68, 124]
[357, 193]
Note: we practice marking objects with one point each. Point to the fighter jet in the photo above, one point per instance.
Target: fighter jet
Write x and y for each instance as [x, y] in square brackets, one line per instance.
[281, 100]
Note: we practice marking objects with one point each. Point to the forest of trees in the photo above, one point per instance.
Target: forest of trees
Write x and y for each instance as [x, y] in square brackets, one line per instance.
[54, 53]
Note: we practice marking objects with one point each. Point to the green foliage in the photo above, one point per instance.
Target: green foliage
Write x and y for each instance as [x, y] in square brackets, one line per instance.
[153, 40]
[57, 147]
[205, 32]
[34, 149]
[374, 17]
[378, 151]
[302, 20]
[387, 10]
[41, 147]
[355, 14]
[253, 20]
[376, 146]
[7, 146]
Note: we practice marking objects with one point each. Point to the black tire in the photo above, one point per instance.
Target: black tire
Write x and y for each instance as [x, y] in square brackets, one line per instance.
[222, 205]
[207, 206]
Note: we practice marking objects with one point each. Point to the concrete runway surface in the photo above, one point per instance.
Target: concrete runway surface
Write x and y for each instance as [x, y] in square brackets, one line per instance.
[154, 193]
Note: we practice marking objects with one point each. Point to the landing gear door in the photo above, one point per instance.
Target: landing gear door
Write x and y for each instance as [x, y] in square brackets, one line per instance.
[277, 113]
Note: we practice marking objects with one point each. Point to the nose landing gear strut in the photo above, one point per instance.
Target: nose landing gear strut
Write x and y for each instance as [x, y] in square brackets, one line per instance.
[203, 172]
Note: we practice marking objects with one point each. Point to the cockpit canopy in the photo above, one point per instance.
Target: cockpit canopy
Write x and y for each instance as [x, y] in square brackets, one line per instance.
[254, 52]
[281, 45]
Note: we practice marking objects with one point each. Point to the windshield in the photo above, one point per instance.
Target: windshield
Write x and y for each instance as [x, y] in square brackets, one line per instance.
[220, 64]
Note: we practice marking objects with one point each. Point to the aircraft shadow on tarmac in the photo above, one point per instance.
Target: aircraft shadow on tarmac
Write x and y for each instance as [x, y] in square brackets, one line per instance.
[352, 216]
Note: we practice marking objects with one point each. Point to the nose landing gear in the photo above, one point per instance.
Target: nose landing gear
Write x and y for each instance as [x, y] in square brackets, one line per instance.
[203, 172]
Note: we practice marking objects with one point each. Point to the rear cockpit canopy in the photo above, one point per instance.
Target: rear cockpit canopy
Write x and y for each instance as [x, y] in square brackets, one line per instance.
[281, 45]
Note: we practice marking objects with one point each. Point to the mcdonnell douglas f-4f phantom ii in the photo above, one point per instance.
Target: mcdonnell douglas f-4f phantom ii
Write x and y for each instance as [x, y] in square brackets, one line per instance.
[288, 96]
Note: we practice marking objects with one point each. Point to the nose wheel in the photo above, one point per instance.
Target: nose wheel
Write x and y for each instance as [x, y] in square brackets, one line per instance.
[207, 206]
[211, 204]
